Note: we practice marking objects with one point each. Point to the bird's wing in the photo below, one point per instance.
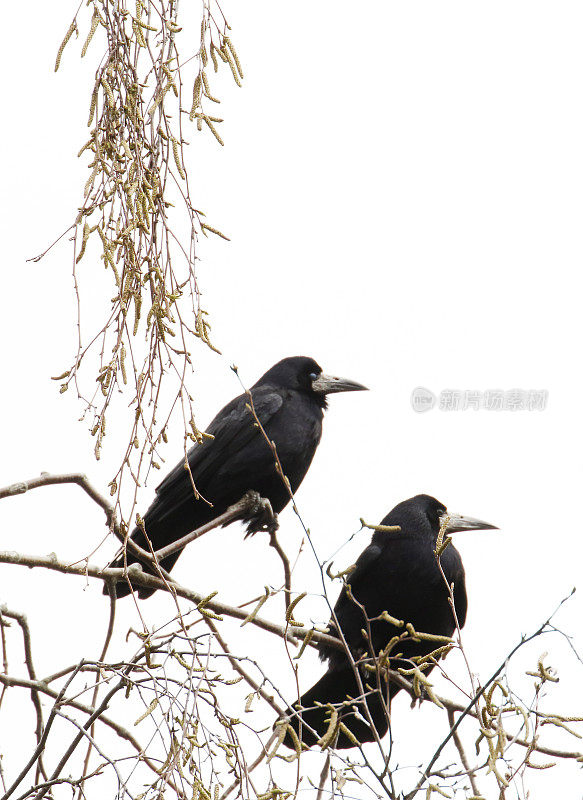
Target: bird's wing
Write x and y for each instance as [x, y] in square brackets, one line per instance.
[460, 597]
[357, 577]
[348, 613]
[368, 556]
[232, 430]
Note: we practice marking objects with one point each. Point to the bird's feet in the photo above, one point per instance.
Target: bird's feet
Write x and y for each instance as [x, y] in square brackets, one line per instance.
[260, 515]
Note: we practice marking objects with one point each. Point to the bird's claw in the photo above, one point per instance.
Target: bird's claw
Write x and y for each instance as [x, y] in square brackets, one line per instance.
[260, 514]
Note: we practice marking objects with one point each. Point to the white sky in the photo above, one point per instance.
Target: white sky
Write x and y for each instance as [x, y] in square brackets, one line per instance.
[402, 184]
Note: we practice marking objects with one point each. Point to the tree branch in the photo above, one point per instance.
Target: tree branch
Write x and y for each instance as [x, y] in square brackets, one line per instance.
[141, 578]
[23, 623]
[45, 479]
[41, 687]
[251, 504]
[460, 748]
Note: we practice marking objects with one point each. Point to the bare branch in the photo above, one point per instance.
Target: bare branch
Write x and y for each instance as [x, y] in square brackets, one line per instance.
[22, 621]
[141, 578]
[45, 479]
[463, 758]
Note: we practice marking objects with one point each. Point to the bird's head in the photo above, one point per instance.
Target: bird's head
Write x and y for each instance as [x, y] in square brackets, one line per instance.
[304, 374]
[424, 513]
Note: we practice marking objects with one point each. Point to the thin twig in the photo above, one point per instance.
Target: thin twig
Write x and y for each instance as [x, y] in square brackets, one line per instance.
[269, 699]
[41, 744]
[23, 623]
[264, 752]
[273, 541]
[468, 709]
[251, 503]
[108, 635]
[460, 748]
[323, 776]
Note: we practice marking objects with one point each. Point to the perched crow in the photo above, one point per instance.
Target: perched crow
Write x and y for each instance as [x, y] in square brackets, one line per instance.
[397, 573]
[289, 401]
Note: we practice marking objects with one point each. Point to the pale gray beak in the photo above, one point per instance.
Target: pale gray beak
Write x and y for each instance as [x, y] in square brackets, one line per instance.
[458, 523]
[329, 384]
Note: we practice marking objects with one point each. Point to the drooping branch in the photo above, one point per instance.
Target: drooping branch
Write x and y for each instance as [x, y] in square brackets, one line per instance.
[152, 88]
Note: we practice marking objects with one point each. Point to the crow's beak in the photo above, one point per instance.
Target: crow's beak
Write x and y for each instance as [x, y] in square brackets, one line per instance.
[329, 384]
[457, 523]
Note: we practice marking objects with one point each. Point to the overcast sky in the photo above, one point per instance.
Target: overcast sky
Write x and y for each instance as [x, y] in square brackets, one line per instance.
[402, 184]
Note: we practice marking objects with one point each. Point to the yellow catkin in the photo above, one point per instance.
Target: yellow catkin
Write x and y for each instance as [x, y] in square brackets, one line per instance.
[214, 58]
[176, 151]
[147, 27]
[138, 310]
[148, 711]
[196, 93]
[250, 617]
[444, 522]
[92, 29]
[143, 201]
[213, 230]
[349, 735]
[434, 788]
[214, 131]
[86, 146]
[122, 360]
[86, 232]
[72, 27]
[93, 105]
[108, 92]
[157, 100]
[229, 43]
[305, 643]
[281, 731]
[290, 609]
[207, 89]
[230, 61]
[327, 738]
[138, 33]
[170, 79]
[91, 179]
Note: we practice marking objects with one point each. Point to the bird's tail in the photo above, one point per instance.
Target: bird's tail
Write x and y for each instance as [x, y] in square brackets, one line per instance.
[122, 588]
[338, 688]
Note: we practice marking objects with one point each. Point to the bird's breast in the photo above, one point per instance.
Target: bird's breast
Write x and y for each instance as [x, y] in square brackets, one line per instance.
[296, 433]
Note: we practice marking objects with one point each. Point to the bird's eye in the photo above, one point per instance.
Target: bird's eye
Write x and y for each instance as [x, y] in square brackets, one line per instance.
[312, 376]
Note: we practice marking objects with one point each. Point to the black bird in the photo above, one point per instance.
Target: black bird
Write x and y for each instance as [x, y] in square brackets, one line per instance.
[289, 401]
[397, 573]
